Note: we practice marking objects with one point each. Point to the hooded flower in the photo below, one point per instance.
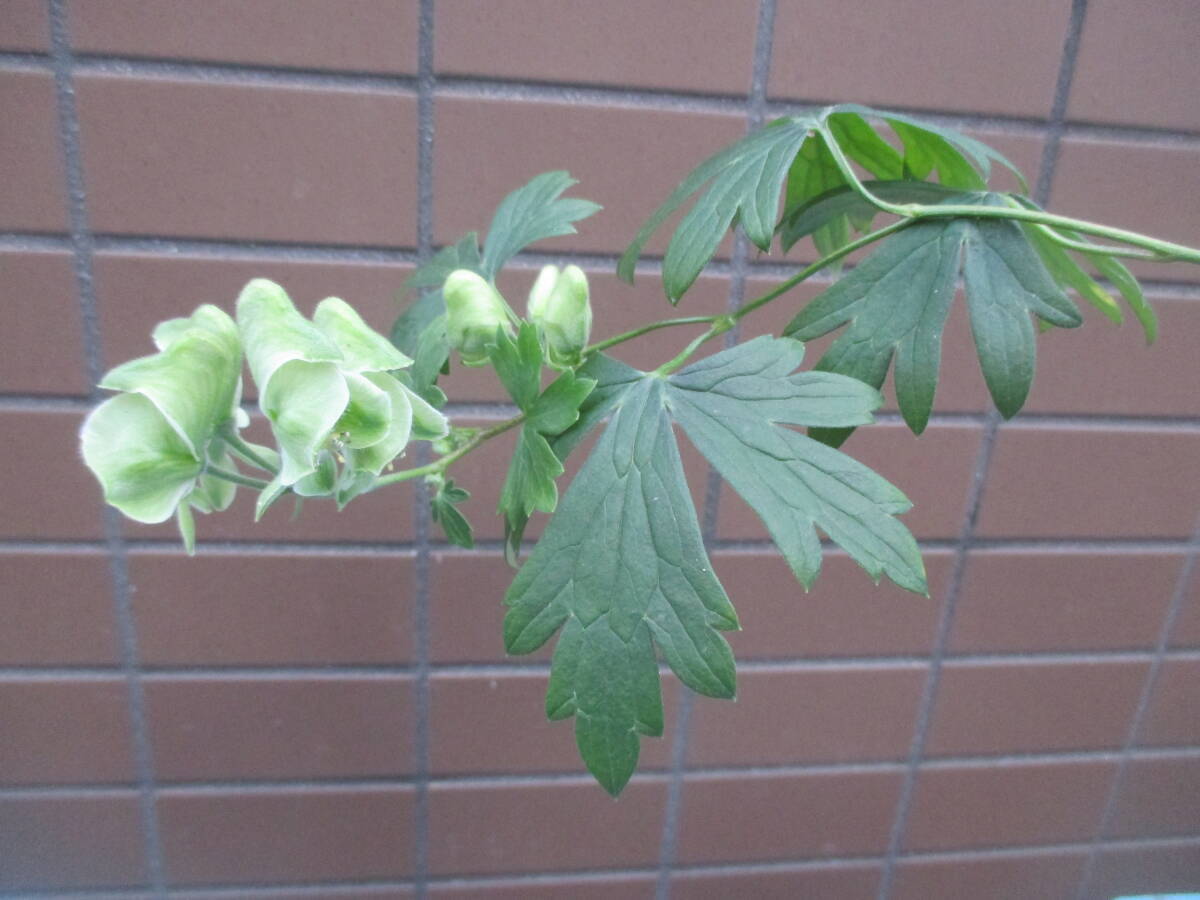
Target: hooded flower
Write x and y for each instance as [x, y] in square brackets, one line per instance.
[149, 446]
[325, 387]
[559, 308]
[474, 312]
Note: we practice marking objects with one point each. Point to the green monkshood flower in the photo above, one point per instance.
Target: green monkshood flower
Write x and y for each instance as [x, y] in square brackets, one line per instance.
[474, 310]
[150, 445]
[559, 309]
[326, 388]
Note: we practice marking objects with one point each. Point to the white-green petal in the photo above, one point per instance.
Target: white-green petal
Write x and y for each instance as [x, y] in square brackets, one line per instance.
[144, 465]
[303, 401]
[193, 383]
[274, 333]
[428, 423]
[368, 415]
[213, 494]
[321, 482]
[363, 349]
[373, 458]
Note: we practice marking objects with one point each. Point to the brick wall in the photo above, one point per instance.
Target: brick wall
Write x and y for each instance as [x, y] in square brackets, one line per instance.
[322, 707]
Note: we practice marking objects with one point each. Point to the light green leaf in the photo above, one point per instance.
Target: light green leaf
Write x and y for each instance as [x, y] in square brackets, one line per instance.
[813, 173]
[624, 555]
[529, 214]
[411, 324]
[805, 218]
[1122, 279]
[1064, 270]
[896, 302]
[730, 406]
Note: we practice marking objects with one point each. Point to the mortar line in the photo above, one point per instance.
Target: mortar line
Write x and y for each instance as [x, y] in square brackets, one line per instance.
[82, 250]
[422, 761]
[378, 254]
[594, 875]
[481, 87]
[1130, 746]
[925, 711]
[754, 110]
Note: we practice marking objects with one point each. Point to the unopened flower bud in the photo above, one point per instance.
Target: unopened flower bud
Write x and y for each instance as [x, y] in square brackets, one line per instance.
[474, 310]
[559, 308]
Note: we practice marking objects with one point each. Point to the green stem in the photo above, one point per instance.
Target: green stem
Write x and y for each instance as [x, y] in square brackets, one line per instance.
[808, 271]
[440, 465]
[235, 477]
[646, 329]
[1162, 251]
[1105, 249]
[246, 452]
[671, 365]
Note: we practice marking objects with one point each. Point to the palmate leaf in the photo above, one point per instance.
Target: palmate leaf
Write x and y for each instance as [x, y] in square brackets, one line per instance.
[622, 568]
[729, 406]
[623, 562]
[743, 182]
[896, 302]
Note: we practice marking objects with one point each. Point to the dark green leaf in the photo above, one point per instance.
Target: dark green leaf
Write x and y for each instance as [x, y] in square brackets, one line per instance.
[612, 379]
[529, 484]
[747, 187]
[429, 360]
[731, 406]
[432, 274]
[557, 409]
[519, 364]
[413, 322]
[454, 523]
[529, 214]
[897, 300]
[747, 178]
[623, 555]
[1005, 282]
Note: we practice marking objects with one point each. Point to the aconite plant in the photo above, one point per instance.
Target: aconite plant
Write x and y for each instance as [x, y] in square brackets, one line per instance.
[620, 571]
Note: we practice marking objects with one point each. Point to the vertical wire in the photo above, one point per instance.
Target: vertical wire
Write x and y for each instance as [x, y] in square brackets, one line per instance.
[422, 700]
[975, 493]
[82, 248]
[755, 112]
[1178, 601]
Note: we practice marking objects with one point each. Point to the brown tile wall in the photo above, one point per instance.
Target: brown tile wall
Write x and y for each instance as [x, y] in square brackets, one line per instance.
[321, 705]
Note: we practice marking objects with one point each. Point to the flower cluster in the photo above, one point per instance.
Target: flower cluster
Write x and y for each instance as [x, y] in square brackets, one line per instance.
[329, 388]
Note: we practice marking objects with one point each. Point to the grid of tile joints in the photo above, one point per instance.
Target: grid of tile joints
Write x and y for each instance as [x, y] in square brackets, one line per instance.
[82, 243]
